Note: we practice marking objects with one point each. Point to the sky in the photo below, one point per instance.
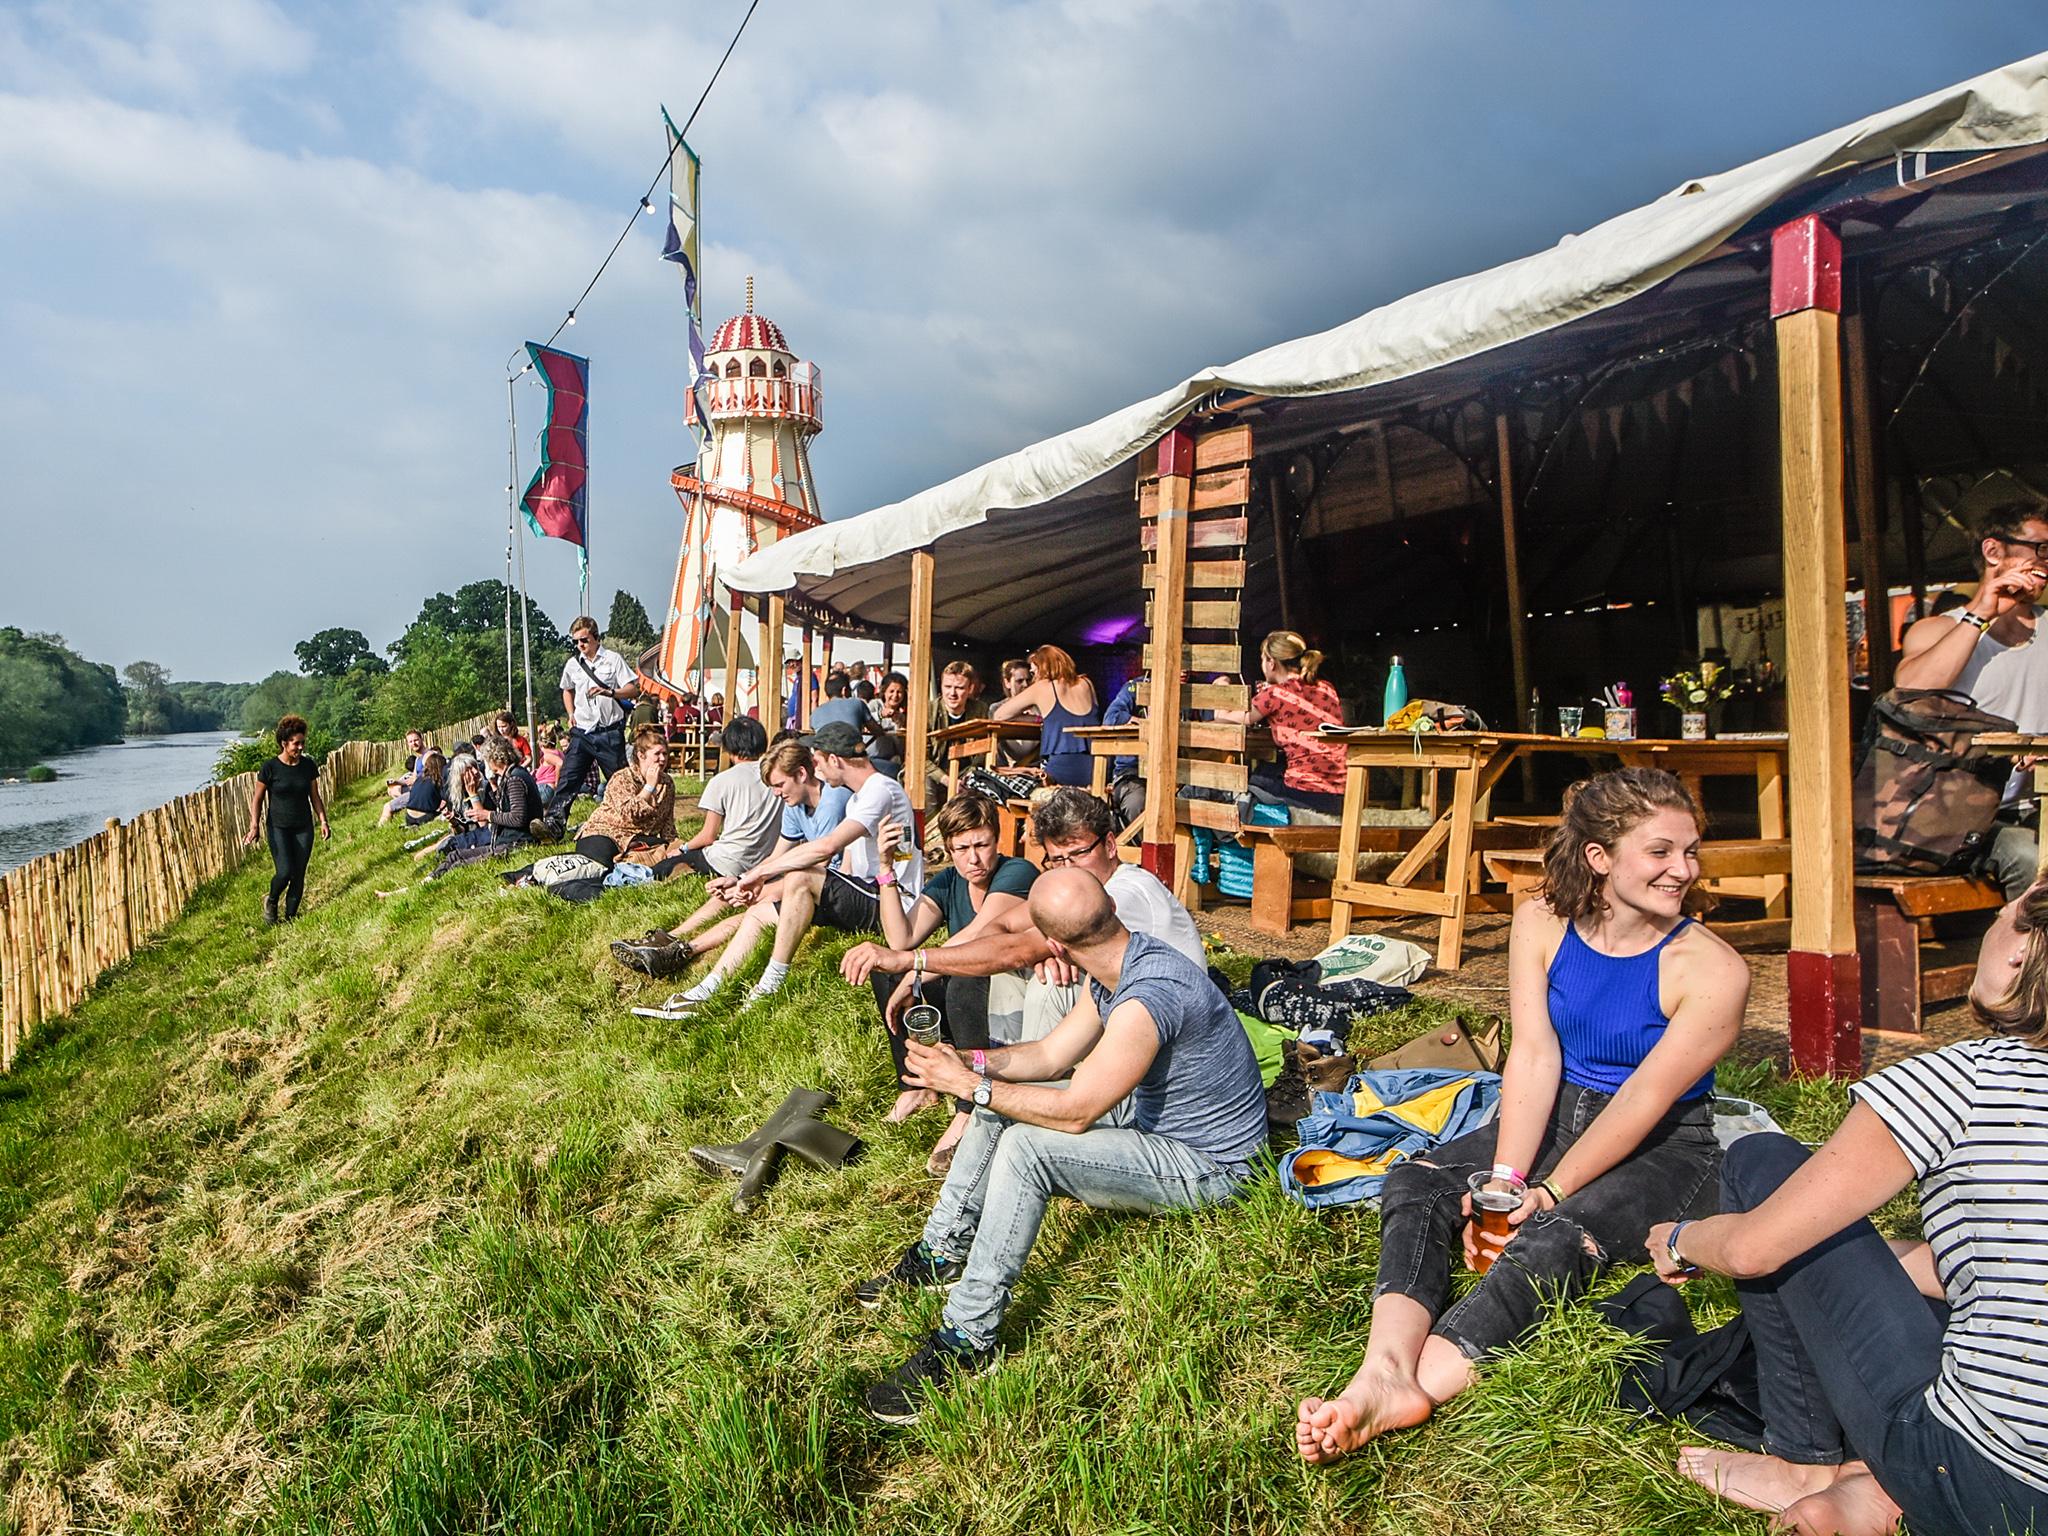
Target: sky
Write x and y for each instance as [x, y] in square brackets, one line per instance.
[264, 264]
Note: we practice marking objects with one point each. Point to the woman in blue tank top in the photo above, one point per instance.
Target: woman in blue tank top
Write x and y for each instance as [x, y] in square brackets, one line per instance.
[1063, 699]
[1621, 1004]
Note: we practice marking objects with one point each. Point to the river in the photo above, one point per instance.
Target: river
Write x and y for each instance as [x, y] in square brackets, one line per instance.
[121, 780]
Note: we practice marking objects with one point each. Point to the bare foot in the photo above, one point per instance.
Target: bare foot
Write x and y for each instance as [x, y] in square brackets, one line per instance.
[1327, 1428]
[1853, 1505]
[909, 1102]
[1768, 1483]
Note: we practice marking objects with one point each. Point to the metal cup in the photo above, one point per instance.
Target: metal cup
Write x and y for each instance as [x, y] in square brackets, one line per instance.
[921, 1023]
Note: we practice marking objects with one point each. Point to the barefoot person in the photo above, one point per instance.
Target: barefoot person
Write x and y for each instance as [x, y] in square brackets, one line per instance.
[290, 784]
[1153, 1029]
[1621, 1005]
[1901, 1383]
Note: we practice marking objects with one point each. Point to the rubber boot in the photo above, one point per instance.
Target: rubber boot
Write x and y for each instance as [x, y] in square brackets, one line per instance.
[755, 1179]
[819, 1144]
[734, 1159]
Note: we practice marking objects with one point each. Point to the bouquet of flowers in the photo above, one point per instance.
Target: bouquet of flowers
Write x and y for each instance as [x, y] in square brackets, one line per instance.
[1699, 688]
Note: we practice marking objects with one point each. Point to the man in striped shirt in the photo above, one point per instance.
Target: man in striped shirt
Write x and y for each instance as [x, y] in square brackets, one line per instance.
[1907, 1380]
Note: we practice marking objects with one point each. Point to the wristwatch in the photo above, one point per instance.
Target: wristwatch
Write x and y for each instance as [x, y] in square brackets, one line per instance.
[982, 1090]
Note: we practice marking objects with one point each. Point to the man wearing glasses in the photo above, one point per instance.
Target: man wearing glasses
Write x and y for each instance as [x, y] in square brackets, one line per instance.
[594, 682]
[1985, 649]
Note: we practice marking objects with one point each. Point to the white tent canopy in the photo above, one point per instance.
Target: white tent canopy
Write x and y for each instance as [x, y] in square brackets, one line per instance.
[1021, 571]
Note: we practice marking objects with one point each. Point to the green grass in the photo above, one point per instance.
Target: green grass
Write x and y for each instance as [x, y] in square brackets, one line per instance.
[382, 1222]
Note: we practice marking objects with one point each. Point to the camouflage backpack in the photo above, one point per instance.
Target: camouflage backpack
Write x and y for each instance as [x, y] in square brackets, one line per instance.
[1925, 795]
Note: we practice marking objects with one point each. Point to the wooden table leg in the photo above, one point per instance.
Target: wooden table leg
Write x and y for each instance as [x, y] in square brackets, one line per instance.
[1770, 824]
[1347, 849]
[1098, 777]
[1450, 946]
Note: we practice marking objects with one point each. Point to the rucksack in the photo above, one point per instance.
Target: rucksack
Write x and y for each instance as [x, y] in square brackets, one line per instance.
[1925, 795]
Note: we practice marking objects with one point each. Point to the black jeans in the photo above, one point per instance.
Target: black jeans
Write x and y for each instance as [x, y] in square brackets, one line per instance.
[291, 850]
[1548, 1260]
[1846, 1349]
[1271, 779]
[962, 1002]
[606, 749]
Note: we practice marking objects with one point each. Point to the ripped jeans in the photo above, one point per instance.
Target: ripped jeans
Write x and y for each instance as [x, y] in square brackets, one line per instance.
[1554, 1255]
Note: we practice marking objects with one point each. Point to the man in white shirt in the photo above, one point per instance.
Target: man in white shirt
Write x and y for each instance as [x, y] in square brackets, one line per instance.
[1985, 649]
[847, 897]
[742, 815]
[594, 682]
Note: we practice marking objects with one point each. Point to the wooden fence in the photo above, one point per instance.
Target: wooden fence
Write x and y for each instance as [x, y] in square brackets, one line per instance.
[69, 916]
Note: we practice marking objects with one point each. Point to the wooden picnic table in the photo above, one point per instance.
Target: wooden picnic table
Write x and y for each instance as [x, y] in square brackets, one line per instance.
[1476, 760]
[1106, 743]
[977, 738]
[2024, 744]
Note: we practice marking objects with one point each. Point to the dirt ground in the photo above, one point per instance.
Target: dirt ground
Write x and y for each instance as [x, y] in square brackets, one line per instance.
[1482, 982]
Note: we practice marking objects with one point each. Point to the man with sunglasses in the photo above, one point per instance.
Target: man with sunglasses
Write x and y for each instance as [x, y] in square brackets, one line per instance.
[595, 681]
[1985, 649]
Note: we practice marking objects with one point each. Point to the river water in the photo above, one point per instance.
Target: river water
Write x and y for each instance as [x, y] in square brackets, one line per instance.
[122, 780]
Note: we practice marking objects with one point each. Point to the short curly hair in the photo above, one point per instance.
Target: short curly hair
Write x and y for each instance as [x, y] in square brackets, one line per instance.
[290, 726]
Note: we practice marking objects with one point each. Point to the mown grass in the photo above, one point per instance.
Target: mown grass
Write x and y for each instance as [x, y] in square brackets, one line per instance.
[382, 1222]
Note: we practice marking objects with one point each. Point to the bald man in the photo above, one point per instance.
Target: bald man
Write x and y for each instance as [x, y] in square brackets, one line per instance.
[1150, 1026]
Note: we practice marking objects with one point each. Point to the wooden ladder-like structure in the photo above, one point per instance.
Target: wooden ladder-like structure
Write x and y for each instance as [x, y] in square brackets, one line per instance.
[1194, 494]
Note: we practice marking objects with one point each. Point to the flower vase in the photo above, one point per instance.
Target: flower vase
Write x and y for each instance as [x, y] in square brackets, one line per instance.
[1692, 725]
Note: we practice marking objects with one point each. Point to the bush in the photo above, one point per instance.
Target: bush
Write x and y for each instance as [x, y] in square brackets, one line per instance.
[252, 752]
[42, 773]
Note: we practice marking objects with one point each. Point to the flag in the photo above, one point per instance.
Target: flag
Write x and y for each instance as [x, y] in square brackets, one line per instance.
[556, 501]
[681, 248]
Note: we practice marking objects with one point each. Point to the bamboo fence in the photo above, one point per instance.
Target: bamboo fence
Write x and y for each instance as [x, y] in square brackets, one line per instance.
[70, 916]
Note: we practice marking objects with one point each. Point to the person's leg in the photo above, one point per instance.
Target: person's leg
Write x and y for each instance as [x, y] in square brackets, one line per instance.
[281, 868]
[956, 1214]
[2013, 859]
[301, 854]
[799, 900]
[883, 984]
[1108, 1170]
[577, 758]
[1846, 1346]
[753, 922]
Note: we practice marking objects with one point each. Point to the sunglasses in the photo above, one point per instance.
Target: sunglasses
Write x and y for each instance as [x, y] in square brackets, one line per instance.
[586, 639]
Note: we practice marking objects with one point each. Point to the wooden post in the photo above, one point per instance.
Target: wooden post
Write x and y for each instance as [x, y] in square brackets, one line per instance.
[825, 661]
[1168, 628]
[889, 653]
[1511, 566]
[1274, 499]
[923, 570]
[1866, 484]
[732, 671]
[771, 664]
[803, 684]
[1823, 984]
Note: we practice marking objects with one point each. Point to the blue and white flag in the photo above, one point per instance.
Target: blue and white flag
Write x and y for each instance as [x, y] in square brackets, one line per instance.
[681, 248]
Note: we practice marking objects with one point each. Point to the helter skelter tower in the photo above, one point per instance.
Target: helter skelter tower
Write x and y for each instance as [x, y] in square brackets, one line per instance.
[751, 485]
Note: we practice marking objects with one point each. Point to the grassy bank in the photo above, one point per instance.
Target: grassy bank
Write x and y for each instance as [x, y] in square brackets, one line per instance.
[382, 1222]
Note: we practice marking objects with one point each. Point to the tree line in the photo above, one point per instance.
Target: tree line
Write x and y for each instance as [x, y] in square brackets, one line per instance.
[52, 699]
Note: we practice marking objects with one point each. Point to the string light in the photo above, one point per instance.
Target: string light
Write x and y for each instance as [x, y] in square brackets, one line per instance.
[572, 318]
[647, 205]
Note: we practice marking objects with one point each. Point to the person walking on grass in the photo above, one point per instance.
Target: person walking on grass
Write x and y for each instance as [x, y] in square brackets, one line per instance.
[289, 784]
[596, 686]
[1620, 1006]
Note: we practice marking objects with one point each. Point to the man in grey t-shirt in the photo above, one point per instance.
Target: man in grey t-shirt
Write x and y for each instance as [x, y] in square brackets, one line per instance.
[1156, 1030]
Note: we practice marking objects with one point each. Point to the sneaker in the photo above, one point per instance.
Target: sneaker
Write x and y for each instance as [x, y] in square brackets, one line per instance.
[541, 830]
[899, 1397]
[660, 961]
[918, 1270]
[270, 912]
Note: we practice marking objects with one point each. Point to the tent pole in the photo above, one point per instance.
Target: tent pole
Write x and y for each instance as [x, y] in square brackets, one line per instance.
[769, 665]
[1511, 565]
[1168, 630]
[732, 670]
[518, 542]
[916, 748]
[1822, 971]
[1280, 541]
[803, 684]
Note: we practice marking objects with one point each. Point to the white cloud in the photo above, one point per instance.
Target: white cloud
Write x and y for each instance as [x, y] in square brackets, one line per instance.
[176, 48]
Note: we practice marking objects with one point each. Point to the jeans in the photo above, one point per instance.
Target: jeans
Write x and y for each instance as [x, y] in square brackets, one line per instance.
[291, 850]
[1004, 1175]
[605, 749]
[1846, 1349]
[962, 1002]
[1554, 1255]
[2012, 859]
[1270, 779]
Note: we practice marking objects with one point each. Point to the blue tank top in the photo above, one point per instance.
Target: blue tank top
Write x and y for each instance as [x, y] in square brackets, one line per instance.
[1065, 758]
[1607, 1012]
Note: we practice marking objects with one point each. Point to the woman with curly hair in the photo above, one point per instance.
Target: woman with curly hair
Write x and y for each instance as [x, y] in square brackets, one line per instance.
[290, 783]
[1621, 1004]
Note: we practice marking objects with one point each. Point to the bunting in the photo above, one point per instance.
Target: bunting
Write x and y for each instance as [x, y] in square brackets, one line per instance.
[684, 169]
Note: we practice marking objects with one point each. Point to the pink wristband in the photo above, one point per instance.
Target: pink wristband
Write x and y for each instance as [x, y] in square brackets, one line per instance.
[1503, 1171]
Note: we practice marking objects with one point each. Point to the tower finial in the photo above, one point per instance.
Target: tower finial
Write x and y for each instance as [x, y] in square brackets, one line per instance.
[750, 293]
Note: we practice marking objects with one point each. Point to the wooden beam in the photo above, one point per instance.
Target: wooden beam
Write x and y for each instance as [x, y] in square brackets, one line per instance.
[803, 684]
[1279, 511]
[1203, 695]
[1168, 537]
[1511, 567]
[1220, 614]
[1211, 533]
[732, 670]
[1866, 486]
[923, 570]
[1199, 658]
[1206, 575]
[1824, 989]
[770, 664]
[1229, 445]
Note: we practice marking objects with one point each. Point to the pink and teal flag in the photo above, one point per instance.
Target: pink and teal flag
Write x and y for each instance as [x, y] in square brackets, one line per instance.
[556, 500]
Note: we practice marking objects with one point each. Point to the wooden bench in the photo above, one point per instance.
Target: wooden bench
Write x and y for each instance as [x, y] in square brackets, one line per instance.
[1894, 919]
[1521, 871]
[1282, 895]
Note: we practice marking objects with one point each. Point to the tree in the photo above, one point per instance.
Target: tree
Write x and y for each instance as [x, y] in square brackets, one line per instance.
[479, 609]
[333, 652]
[52, 699]
[629, 629]
[150, 708]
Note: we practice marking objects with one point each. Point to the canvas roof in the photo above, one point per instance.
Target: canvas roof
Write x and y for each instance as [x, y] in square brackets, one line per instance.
[1035, 542]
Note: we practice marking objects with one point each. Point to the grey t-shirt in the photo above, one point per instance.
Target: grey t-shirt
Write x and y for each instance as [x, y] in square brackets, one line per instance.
[753, 818]
[1203, 1087]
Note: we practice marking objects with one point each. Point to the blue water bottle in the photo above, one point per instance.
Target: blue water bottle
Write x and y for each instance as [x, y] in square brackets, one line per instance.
[1397, 691]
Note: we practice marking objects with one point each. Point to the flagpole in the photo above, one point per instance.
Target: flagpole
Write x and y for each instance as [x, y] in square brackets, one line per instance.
[519, 541]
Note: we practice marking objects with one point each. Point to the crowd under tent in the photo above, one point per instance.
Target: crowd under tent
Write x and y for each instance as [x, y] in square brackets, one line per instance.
[1700, 423]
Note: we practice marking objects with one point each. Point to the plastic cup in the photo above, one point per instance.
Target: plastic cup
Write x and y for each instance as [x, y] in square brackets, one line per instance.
[921, 1023]
[1569, 718]
[1491, 1208]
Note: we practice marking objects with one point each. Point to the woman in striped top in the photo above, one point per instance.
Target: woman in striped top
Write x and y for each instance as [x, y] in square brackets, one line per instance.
[1901, 1379]
[1621, 1006]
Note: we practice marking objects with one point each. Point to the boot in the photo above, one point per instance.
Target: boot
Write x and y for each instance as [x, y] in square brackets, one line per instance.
[820, 1145]
[660, 961]
[734, 1158]
[270, 911]
[755, 1179]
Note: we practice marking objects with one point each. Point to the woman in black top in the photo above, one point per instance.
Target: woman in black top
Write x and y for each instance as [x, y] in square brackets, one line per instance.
[292, 784]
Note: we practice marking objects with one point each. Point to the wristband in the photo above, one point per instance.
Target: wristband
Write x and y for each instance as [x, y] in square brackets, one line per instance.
[1976, 621]
[1549, 1187]
[980, 1060]
[1512, 1175]
[1671, 1247]
[885, 879]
